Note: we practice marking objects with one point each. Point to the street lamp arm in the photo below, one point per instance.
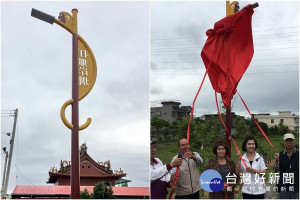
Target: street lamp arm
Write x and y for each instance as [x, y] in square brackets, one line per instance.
[63, 25]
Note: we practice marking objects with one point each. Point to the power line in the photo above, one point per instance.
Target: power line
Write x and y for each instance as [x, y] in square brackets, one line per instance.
[251, 66]
[175, 50]
[190, 42]
[22, 174]
[203, 35]
[211, 25]
[278, 48]
[245, 73]
[27, 179]
[200, 52]
[200, 47]
[252, 60]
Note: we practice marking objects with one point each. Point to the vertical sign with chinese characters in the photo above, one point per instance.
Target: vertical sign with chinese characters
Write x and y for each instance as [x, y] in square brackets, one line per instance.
[83, 67]
[87, 69]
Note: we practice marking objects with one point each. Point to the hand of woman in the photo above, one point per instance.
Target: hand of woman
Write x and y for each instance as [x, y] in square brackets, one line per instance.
[250, 169]
[173, 177]
[276, 155]
[225, 188]
[173, 187]
[239, 154]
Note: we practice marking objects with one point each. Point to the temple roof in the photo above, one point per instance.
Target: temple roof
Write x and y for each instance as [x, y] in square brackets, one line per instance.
[88, 169]
[32, 190]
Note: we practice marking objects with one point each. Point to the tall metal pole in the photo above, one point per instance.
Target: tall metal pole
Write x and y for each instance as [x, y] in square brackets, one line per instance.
[230, 9]
[10, 153]
[75, 173]
[76, 94]
[228, 131]
[4, 173]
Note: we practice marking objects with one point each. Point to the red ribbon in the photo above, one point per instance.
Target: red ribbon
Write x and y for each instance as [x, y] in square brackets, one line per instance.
[237, 148]
[188, 129]
[261, 130]
[191, 116]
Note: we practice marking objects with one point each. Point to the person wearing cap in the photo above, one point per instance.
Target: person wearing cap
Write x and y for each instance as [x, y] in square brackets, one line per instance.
[287, 164]
[188, 185]
[160, 174]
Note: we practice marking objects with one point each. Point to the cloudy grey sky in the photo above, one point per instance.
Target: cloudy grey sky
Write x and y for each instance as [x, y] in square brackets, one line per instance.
[36, 78]
[270, 84]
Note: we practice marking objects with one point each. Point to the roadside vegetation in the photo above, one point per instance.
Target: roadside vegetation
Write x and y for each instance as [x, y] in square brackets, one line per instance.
[203, 134]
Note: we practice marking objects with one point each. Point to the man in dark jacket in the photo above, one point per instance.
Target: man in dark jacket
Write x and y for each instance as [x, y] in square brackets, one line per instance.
[287, 164]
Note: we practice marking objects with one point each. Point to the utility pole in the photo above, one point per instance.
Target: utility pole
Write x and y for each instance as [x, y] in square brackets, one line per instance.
[4, 171]
[10, 153]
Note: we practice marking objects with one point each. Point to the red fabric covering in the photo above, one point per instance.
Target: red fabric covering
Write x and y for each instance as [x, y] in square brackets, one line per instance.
[228, 51]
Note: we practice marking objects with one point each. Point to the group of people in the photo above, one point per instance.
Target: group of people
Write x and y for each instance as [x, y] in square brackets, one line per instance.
[251, 168]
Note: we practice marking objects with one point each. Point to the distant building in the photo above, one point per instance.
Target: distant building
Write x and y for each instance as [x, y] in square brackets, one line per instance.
[171, 111]
[233, 116]
[285, 117]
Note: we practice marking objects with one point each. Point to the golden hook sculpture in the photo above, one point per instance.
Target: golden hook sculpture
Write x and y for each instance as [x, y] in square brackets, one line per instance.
[65, 121]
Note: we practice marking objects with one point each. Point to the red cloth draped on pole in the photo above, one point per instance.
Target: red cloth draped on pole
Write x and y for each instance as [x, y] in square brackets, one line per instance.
[228, 51]
[227, 54]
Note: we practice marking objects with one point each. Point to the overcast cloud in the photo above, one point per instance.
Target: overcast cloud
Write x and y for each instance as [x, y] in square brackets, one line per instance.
[36, 78]
[270, 84]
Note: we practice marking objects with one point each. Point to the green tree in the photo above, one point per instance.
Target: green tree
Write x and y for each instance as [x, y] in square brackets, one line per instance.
[160, 128]
[214, 131]
[241, 127]
[254, 130]
[283, 129]
[274, 130]
[85, 194]
[279, 129]
[181, 127]
[264, 127]
[102, 191]
[202, 133]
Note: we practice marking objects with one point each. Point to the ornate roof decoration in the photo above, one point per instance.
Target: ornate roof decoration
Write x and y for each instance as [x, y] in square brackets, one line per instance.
[92, 168]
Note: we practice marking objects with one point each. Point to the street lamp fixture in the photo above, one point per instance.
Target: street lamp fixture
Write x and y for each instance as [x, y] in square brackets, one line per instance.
[42, 16]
